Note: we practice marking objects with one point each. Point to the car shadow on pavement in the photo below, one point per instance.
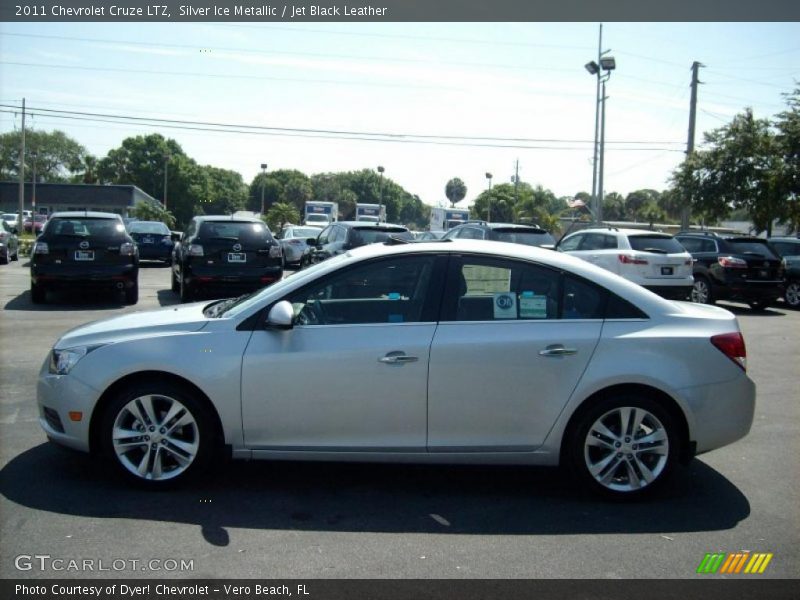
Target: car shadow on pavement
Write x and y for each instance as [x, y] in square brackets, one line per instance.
[742, 310]
[167, 297]
[66, 300]
[385, 498]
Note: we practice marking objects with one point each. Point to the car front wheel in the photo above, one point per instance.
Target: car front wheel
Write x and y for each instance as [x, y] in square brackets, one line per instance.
[157, 434]
[624, 447]
[792, 294]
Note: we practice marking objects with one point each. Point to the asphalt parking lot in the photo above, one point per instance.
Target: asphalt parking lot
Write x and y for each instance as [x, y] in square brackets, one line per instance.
[385, 521]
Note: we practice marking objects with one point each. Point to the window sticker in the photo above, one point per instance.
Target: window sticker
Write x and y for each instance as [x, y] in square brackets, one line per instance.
[505, 306]
[394, 296]
[532, 306]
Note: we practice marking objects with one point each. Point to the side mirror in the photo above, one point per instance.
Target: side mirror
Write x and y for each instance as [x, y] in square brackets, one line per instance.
[311, 242]
[281, 316]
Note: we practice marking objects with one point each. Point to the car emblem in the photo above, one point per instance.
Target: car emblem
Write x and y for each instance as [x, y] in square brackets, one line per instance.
[237, 247]
[84, 245]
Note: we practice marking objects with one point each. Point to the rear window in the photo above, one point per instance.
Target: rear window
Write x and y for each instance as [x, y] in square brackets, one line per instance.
[85, 227]
[372, 235]
[656, 243]
[148, 227]
[302, 232]
[752, 247]
[234, 230]
[522, 236]
[787, 248]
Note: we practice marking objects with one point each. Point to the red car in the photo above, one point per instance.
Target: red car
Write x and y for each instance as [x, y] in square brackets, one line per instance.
[38, 223]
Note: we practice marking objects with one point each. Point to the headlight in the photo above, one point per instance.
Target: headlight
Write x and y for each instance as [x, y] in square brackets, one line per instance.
[62, 361]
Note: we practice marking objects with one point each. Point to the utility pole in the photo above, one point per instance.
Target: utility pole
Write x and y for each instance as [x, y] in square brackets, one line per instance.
[595, 203]
[516, 181]
[598, 215]
[685, 210]
[22, 173]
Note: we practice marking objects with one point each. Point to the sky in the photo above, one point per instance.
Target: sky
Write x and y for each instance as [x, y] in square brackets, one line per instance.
[434, 100]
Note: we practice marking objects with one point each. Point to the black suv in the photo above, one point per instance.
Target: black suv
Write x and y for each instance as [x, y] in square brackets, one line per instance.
[733, 267]
[225, 254]
[530, 235]
[789, 250]
[84, 250]
[342, 236]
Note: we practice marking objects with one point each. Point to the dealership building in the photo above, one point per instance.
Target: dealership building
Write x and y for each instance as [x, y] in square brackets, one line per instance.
[54, 197]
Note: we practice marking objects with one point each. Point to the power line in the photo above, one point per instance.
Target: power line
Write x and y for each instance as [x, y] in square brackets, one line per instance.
[326, 132]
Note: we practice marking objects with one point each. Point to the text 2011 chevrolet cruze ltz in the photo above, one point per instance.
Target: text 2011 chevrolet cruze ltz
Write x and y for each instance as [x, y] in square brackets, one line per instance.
[440, 352]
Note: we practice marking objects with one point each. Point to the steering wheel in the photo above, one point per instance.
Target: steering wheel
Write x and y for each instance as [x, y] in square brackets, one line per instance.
[311, 314]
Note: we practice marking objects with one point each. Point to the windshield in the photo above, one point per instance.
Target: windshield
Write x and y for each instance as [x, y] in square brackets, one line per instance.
[372, 235]
[302, 232]
[148, 227]
[318, 218]
[656, 243]
[752, 247]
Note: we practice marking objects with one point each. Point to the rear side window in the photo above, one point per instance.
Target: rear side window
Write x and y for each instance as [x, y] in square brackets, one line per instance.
[656, 243]
[752, 247]
[85, 227]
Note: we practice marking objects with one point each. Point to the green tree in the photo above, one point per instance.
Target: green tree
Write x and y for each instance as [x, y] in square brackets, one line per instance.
[787, 127]
[280, 214]
[153, 211]
[455, 190]
[637, 200]
[55, 155]
[614, 207]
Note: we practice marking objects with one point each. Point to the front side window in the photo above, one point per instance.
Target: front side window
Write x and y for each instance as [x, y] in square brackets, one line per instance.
[571, 243]
[384, 291]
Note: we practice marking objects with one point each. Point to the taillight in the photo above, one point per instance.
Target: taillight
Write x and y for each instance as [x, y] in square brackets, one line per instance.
[166, 239]
[127, 249]
[732, 262]
[41, 248]
[631, 260]
[195, 250]
[732, 346]
[688, 262]
[275, 251]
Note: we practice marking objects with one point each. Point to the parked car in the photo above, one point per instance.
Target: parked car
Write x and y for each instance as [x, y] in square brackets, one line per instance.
[12, 220]
[224, 255]
[462, 352]
[153, 239]
[342, 236]
[85, 250]
[530, 235]
[9, 243]
[294, 241]
[789, 250]
[733, 267]
[652, 259]
[34, 223]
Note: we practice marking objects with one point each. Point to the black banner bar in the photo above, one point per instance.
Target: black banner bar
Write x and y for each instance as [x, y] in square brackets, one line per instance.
[398, 10]
[461, 589]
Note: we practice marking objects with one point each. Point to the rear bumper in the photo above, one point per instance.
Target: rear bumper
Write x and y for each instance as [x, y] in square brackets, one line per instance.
[748, 290]
[155, 252]
[232, 280]
[98, 276]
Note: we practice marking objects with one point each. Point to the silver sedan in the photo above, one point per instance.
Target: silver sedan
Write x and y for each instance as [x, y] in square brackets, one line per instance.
[293, 239]
[457, 352]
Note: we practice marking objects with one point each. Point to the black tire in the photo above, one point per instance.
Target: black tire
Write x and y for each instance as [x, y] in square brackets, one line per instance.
[16, 255]
[38, 293]
[792, 294]
[701, 291]
[199, 434]
[5, 258]
[176, 286]
[626, 461]
[132, 293]
[185, 290]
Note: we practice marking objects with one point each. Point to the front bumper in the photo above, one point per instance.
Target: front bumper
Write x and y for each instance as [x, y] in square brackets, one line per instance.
[59, 395]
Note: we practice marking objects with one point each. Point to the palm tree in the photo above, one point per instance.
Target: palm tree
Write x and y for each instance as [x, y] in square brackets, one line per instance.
[280, 214]
[455, 190]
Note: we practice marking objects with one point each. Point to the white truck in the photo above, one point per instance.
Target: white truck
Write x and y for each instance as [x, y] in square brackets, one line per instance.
[373, 213]
[443, 219]
[320, 213]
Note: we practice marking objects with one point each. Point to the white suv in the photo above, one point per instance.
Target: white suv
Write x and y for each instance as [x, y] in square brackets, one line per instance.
[654, 260]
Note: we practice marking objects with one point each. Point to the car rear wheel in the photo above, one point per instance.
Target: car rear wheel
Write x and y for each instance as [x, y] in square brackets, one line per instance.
[157, 434]
[132, 294]
[624, 447]
[5, 258]
[16, 254]
[185, 290]
[701, 291]
[176, 286]
[38, 293]
[792, 294]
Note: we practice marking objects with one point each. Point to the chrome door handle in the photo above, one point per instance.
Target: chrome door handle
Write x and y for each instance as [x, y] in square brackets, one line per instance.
[394, 358]
[558, 351]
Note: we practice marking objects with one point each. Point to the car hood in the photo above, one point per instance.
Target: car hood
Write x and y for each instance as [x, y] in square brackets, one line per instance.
[185, 318]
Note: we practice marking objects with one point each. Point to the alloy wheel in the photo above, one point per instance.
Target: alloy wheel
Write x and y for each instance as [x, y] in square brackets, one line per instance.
[701, 293]
[792, 294]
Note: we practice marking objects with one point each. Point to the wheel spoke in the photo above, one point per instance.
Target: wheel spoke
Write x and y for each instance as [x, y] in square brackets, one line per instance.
[598, 467]
[121, 434]
[598, 427]
[647, 474]
[625, 415]
[633, 476]
[186, 419]
[609, 474]
[599, 442]
[188, 448]
[658, 435]
[173, 412]
[181, 457]
[147, 406]
[157, 458]
[144, 465]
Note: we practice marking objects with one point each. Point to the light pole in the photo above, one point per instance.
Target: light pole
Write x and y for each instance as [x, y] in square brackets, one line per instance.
[380, 202]
[34, 156]
[607, 64]
[166, 170]
[489, 209]
[263, 185]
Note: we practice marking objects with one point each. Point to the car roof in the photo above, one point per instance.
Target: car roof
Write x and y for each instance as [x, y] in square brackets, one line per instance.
[629, 231]
[229, 218]
[91, 214]
[370, 225]
[784, 239]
